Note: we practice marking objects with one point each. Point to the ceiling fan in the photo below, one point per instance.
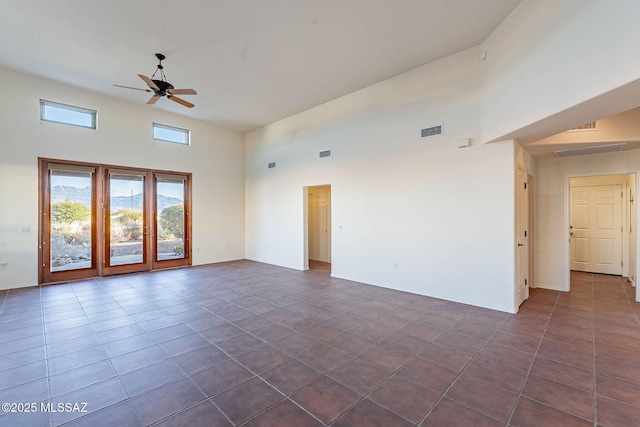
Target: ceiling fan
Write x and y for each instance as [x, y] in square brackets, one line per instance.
[162, 87]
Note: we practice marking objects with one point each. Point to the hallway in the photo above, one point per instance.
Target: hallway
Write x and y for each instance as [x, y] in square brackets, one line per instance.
[587, 351]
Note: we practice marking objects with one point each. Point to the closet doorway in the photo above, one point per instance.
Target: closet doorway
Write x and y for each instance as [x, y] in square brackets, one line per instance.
[318, 228]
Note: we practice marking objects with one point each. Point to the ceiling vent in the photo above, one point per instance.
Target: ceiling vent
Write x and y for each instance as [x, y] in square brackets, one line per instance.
[589, 150]
[271, 165]
[432, 131]
[325, 153]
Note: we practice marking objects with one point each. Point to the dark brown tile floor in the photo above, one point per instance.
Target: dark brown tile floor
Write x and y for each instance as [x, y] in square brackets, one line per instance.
[244, 343]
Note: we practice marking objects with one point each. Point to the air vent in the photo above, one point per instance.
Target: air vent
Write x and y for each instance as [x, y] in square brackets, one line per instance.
[272, 165]
[325, 153]
[432, 131]
[588, 126]
[589, 150]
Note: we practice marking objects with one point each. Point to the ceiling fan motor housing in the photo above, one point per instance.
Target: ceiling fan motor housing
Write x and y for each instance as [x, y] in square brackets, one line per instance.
[163, 86]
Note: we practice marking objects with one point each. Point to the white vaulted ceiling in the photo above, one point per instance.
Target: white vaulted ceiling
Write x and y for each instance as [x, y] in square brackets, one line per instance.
[252, 62]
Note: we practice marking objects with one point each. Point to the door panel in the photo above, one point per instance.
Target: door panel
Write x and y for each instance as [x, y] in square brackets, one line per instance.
[320, 224]
[582, 250]
[126, 218]
[71, 219]
[604, 251]
[596, 229]
[69, 232]
[171, 219]
[522, 262]
[314, 235]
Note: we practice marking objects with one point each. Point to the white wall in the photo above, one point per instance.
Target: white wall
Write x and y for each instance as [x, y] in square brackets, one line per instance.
[443, 214]
[552, 228]
[123, 137]
[551, 55]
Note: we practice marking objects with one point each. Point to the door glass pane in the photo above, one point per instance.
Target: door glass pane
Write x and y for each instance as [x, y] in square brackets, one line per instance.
[126, 230]
[170, 208]
[70, 220]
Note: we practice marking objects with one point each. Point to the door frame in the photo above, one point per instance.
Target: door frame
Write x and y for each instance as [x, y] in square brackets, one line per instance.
[521, 269]
[44, 224]
[305, 225]
[99, 222]
[566, 256]
[531, 238]
[618, 188]
[153, 226]
[147, 213]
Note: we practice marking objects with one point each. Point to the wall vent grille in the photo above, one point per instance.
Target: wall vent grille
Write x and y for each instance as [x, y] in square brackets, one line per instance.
[589, 150]
[272, 165]
[588, 126]
[325, 153]
[432, 131]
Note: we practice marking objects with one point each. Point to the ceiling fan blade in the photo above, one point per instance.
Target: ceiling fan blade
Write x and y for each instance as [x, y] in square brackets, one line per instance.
[149, 82]
[153, 99]
[182, 91]
[134, 88]
[180, 101]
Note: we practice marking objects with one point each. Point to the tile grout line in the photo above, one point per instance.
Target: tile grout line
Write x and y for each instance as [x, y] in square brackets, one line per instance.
[533, 360]
[442, 395]
[50, 302]
[101, 345]
[595, 382]
[259, 375]
[326, 374]
[46, 359]
[46, 353]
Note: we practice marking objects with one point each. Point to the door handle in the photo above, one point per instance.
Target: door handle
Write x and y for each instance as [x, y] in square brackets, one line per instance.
[520, 244]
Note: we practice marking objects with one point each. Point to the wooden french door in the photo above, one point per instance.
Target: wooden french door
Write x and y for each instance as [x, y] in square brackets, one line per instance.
[127, 220]
[100, 220]
[69, 243]
[171, 212]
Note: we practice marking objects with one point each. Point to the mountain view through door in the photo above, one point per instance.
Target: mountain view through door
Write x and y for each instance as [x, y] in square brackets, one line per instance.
[100, 220]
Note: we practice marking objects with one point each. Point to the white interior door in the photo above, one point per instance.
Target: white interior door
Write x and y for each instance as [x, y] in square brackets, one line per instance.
[596, 229]
[522, 220]
[320, 224]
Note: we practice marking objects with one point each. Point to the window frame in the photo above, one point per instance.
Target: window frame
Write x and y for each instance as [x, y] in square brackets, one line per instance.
[74, 108]
[185, 132]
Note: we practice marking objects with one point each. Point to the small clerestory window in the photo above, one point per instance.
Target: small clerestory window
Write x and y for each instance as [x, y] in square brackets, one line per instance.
[170, 134]
[67, 114]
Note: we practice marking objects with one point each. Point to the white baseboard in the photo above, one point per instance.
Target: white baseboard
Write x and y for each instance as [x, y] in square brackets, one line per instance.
[551, 287]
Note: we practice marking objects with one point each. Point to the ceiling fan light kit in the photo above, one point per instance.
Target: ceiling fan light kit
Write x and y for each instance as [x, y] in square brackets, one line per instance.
[161, 87]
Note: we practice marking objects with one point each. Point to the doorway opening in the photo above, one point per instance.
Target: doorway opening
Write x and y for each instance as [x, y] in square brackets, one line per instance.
[317, 206]
[602, 225]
